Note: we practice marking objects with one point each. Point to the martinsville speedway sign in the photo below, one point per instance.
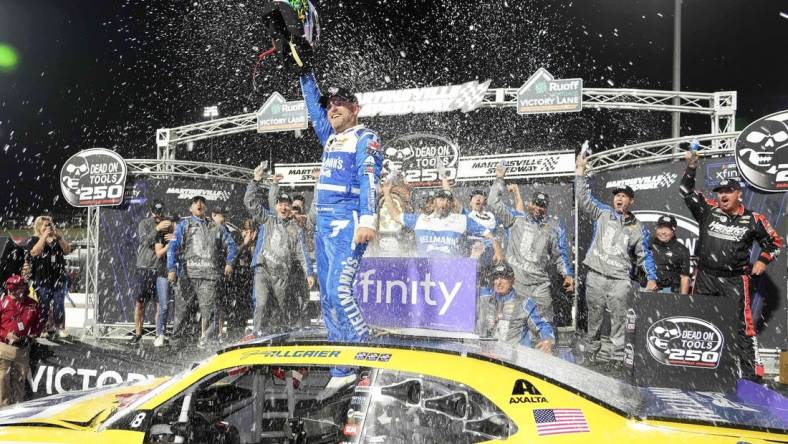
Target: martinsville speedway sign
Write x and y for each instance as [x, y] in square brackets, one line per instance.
[470, 168]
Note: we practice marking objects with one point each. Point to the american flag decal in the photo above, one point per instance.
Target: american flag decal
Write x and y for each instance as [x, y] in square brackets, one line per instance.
[557, 421]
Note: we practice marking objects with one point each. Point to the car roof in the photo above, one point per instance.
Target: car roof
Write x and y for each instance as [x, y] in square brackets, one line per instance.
[601, 389]
[617, 396]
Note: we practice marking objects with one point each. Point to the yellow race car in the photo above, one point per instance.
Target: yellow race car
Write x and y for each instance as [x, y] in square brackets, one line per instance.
[278, 390]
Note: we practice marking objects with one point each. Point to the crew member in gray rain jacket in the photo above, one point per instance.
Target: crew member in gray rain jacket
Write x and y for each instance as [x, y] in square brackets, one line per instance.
[279, 240]
[536, 243]
[197, 250]
[620, 242]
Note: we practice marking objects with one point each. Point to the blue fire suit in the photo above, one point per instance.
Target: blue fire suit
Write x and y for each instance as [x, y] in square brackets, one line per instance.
[346, 197]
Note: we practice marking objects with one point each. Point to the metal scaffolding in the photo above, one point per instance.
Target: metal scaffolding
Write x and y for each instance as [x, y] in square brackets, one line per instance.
[720, 106]
[91, 269]
[161, 168]
[657, 150]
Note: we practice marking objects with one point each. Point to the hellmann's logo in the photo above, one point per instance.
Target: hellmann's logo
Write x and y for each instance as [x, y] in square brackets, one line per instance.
[524, 392]
[729, 231]
[664, 180]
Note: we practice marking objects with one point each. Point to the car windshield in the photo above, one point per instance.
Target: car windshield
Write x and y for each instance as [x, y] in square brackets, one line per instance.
[253, 404]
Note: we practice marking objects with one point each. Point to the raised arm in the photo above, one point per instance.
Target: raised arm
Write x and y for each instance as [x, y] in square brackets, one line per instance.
[495, 199]
[697, 204]
[585, 200]
[317, 114]
[253, 198]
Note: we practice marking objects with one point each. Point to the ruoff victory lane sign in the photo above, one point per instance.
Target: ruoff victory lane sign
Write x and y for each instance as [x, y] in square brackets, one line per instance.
[93, 177]
[543, 93]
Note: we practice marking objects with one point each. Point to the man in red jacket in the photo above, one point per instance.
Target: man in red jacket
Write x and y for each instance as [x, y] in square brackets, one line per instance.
[18, 325]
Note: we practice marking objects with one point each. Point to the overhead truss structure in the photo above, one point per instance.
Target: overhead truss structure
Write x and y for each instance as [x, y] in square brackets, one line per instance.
[657, 150]
[719, 106]
[161, 168]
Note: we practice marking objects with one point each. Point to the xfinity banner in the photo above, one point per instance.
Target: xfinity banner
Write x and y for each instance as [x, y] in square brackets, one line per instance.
[423, 293]
[94, 177]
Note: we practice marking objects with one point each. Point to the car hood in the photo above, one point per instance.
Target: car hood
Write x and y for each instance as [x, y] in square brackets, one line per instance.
[78, 409]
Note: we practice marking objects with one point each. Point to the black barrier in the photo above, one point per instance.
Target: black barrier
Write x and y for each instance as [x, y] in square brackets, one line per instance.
[75, 365]
[676, 341]
[656, 189]
[117, 253]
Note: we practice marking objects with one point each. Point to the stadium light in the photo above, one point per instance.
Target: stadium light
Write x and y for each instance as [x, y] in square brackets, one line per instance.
[209, 112]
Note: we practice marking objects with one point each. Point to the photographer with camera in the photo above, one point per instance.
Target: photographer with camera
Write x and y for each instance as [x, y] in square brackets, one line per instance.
[47, 250]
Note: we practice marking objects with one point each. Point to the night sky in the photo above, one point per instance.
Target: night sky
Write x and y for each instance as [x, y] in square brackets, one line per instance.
[108, 74]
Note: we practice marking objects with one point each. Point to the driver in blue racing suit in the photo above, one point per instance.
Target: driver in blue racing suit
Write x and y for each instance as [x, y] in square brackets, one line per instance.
[346, 204]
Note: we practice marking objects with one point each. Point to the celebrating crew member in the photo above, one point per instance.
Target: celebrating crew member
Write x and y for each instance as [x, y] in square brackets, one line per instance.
[671, 258]
[437, 234]
[19, 323]
[536, 244]
[727, 231]
[197, 248]
[511, 317]
[346, 204]
[620, 242]
[485, 218]
[302, 274]
[152, 231]
[279, 239]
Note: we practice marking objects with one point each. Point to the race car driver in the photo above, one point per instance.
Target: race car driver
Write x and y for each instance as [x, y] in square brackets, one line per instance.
[536, 244]
[279, 240]
[437, 234]
[346, 205]
[618, 239]
[727, 231]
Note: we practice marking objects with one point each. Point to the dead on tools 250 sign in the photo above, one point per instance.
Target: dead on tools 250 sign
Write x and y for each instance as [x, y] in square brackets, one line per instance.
[94, 177]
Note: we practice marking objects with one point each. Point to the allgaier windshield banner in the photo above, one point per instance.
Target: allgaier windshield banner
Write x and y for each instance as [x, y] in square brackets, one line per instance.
[93, 177]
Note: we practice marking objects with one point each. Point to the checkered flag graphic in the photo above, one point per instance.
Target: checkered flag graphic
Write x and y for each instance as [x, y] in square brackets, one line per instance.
[470, 96]
[667, 179]
[549, 163]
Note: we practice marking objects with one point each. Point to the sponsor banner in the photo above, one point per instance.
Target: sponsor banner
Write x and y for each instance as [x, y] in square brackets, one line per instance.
[465, 97]
[423, 293]
[721, 408]
[762, 152]
[297, 174]
[422, 159]
[657, 194]
[418, 158]
[542, 93]
[655, 182]
[543, 164]
[676, 341]
[94, 177]
[76, 365]
[685, 341]
[718, 170]
[277, 114]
